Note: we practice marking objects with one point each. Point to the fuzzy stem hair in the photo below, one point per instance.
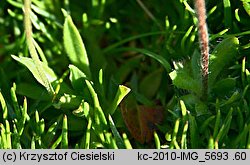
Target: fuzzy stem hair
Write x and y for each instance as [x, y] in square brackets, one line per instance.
[204, 43]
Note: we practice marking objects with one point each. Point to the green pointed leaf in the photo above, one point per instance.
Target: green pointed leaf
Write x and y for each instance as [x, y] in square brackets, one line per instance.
[223, 54]
[120, 94]
[74, 46]
[29, 63]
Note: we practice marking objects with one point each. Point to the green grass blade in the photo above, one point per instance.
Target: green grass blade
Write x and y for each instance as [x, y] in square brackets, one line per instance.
[126, 141]
[50, 134]
[37, 120]
[14, 101]
[117, 136]
[4, 107]
[3, 137]
[183, 109]
[225, 127]
[248, 140]
[194, 140]
[217, 120]
[97, 106]
[64, 142]
[174, 135]
[157, 141]
[111, 47]
[8, 134]
[206, 123]
[16, 144]
[241, 139]
[184, 136]
[227, 13]
[57, 142]
[88, 133]
[33, 143]
[155, 56]
[183, 41]
[240, 119]
[211, 143]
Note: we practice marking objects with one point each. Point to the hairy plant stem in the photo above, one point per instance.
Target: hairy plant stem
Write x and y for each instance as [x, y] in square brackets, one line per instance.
[31, 47]
[204, 44]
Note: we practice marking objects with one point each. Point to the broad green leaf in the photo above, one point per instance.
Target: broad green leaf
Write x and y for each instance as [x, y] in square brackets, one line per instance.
[28, 62]
[223, 54]
[181, 79]
[74, 46]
